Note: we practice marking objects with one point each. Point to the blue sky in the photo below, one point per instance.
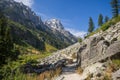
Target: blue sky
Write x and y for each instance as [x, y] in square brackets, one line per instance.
[74, 14]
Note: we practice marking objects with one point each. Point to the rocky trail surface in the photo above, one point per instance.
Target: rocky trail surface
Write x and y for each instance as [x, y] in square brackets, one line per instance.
[71, 76]
[69, 73]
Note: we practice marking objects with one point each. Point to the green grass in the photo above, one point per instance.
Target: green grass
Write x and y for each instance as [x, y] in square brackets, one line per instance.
[50, 48]
[116, 62]
[6, 70]
[28, 54]
[8, 75]
[32, 57]
[113, 21]
[79, 40]
[10, 22]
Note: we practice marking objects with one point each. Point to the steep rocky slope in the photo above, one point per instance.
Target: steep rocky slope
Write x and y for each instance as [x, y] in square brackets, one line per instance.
[100, 46]
[29, 29]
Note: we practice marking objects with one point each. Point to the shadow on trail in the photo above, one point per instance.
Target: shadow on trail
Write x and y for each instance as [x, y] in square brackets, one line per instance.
[70, 68]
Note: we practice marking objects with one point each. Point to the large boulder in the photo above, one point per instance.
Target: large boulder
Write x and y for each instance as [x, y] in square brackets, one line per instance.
[96, 47]
[113, 49]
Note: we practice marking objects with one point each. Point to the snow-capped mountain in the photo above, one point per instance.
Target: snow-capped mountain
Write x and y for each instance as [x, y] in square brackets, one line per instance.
[56, 26]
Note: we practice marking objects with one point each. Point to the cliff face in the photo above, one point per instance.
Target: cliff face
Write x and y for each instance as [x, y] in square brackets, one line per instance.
[100, 46]
[18, 12]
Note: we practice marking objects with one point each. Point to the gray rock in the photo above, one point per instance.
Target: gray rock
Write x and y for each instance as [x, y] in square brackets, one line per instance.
[116, 75]
[101, 47]
[113, 49]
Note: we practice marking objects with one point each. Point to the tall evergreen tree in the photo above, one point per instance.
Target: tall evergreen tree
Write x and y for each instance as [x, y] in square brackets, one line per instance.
[115, 7]
[91, 25]
[100, 20]
[106, 19]
[6, 43]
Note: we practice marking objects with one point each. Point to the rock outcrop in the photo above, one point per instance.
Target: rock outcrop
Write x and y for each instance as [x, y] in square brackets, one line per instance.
[116, 75]
[100, 46]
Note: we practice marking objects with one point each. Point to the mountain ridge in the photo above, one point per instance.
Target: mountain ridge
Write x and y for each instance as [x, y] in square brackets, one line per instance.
[23, 15]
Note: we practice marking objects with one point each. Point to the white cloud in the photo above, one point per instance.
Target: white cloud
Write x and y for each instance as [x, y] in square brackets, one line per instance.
[26, 2]
[77, 33]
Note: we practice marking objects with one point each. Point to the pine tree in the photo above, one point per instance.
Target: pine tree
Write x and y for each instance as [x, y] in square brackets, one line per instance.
[115, 7]
[106, 19]
[100, 20]
[91, 25]
[6, 43]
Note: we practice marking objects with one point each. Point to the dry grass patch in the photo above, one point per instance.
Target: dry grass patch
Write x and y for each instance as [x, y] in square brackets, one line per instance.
[79, 70]
[58, 71]
[111, 68]
[74, 56]
[108, 72]
[41, 77]
[107, 76]
[89, 77]
[49, 75]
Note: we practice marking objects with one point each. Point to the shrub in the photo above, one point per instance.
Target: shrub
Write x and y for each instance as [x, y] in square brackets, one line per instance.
[113, 21]
[8, 73]
[49, 75]
[105, 26]
[116, 63]
[79, 40]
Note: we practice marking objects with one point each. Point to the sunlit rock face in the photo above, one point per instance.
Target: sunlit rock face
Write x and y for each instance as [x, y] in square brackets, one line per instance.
[100, 46]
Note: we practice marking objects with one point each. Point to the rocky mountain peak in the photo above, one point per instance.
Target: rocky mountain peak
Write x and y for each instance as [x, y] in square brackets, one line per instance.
[58, 29]
[55, 24]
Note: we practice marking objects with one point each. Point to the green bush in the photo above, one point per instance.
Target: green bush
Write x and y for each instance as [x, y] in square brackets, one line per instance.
[105, 26]
[11, 71]
[116, 62]
[80, 40]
